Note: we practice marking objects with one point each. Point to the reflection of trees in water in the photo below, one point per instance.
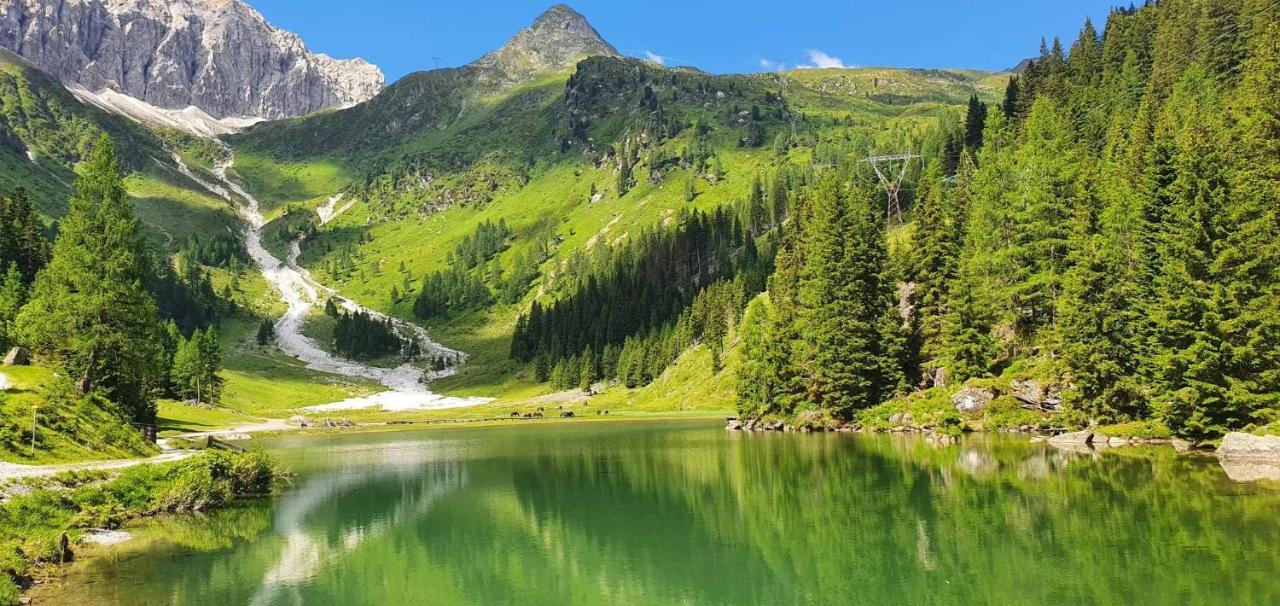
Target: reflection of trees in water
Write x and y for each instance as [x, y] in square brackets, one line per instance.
[611, 516]
[989, 520]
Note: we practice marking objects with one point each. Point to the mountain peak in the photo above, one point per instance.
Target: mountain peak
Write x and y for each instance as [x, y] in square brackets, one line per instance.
[218, 55]
[558, 39]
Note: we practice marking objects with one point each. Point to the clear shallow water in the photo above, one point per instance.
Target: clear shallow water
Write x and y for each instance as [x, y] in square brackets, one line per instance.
[687, 513]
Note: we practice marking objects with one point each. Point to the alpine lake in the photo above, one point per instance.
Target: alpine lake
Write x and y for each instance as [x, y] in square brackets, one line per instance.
[684, 512]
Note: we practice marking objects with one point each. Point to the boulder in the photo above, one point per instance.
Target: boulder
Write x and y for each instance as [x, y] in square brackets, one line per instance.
[895, 419]
[1052, 399]
[300, 421]
[731, 424]
[1244, 446]
[972, 400]
[17, 356]
[1027, 390]
[1075, 437]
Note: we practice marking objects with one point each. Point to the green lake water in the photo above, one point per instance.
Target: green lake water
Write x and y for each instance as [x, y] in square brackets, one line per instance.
[687, 513]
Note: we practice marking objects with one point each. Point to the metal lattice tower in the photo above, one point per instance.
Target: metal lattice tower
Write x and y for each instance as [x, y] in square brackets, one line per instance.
[892, 170]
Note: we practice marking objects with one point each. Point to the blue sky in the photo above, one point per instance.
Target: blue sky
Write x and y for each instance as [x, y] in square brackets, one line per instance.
[724, 36]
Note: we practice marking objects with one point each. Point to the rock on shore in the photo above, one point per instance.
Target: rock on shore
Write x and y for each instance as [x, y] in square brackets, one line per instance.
[1248, 447]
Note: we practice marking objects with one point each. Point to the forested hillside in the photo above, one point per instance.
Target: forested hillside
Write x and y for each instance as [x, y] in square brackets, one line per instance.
[1115, 234]
[569, 178]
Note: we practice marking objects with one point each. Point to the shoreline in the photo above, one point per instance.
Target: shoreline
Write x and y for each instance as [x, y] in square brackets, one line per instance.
[280, 427]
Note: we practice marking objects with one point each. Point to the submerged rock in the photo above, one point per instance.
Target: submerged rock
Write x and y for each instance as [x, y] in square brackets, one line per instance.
[1245, 470]
[99, 536]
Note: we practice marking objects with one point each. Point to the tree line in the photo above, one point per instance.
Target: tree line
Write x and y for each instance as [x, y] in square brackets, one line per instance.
[631, 309]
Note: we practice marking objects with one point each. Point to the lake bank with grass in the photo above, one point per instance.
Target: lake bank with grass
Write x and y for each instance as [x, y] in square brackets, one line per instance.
[45, 521]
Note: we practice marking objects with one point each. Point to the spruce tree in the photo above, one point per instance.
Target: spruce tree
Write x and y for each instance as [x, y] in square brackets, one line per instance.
[89, 308]
[1249, 262]
[22, 242]
[13, 295]
[845, 301]
[1193, 358]
[975, 122]
[756, 377]
[970, 347]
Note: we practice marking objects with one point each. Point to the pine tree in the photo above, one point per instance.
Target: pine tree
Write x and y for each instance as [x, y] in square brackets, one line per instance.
[757, 376]
[1043, 201]
[13, 295]
[845, 301]
[89, 308]
[1099, 327]
[778, 199]
[757, 213]
[934, 257]
[1194, 360]
[975, 122]
[1249, 262]
[971, 348]
[21, 241]
[266, 332]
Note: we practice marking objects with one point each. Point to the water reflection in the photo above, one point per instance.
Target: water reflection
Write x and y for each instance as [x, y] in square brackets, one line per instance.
[680, 513]
[313, 541]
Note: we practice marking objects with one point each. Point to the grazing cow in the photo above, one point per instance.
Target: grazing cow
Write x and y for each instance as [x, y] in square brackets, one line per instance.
[537, 415]
[515, 414]
[568, 414]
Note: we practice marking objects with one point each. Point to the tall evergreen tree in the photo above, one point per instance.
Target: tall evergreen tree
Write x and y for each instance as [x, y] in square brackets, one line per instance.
[846, 301]
[89, 307]
[975, 121]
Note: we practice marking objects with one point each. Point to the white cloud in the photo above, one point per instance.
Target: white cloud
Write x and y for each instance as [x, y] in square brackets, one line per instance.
[770, 65]
[822, 60]
[653, 57]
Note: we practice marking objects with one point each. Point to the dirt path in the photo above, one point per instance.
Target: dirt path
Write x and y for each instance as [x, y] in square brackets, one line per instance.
[13, 471]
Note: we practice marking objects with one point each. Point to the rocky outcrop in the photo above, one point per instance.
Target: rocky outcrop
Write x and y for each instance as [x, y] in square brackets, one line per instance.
[556, 41]
[972, 400]
[1248, 447]
[220, 56]
[17, 356]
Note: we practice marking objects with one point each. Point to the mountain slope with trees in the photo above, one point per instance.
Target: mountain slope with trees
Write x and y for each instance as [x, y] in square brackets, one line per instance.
[1114, 236]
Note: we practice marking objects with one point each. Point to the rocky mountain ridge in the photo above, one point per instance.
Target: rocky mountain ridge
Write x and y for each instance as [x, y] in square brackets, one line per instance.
[220, 56]
[556, 40]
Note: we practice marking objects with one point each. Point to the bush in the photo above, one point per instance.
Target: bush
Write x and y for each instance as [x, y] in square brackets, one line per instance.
[9, 594]
[215, 478]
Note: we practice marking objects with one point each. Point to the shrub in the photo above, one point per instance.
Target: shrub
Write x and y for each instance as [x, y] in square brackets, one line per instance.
[9, 594]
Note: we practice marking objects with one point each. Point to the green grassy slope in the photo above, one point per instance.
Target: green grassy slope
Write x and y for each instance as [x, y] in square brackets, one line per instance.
[45, 131]
[65, 430]
[556, 136]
